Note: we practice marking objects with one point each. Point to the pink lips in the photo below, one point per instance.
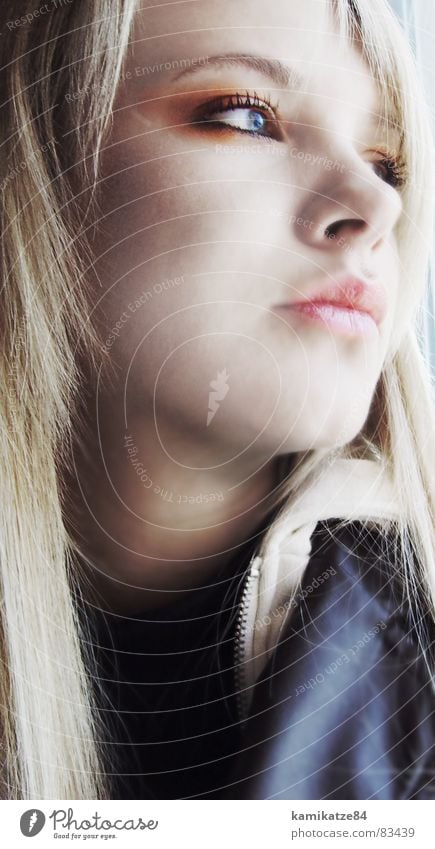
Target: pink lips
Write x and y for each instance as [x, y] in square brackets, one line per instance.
[348, 305]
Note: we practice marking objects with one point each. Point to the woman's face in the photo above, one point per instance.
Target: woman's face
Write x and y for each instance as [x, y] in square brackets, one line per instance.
[231, 186]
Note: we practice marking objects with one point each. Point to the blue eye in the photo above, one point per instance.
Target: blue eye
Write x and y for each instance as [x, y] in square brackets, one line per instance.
[258, 120]
[243, 114]
[246, 120]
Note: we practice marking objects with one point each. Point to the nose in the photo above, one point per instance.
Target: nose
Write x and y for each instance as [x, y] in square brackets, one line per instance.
[349, 207]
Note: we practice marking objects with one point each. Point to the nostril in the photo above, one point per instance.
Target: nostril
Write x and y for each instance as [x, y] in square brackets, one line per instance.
[348, 224]
[331, 232]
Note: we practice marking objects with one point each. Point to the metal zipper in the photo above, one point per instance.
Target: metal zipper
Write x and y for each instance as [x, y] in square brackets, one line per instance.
[240, 678]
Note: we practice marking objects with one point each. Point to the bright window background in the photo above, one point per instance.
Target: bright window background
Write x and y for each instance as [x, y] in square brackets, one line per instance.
[418, 19]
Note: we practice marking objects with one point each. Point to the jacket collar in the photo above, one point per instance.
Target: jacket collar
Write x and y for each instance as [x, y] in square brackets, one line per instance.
[348, 489]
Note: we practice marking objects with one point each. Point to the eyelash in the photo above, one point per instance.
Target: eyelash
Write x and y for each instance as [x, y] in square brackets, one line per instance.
[232, 102]
[395, 168]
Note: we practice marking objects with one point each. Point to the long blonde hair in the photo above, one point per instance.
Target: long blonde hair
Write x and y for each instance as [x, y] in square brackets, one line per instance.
[51, 735]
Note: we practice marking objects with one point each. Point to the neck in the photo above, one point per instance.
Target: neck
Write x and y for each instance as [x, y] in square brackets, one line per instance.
[155, 515]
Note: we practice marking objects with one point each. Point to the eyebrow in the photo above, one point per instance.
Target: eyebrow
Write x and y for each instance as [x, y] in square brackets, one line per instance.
[282, 75]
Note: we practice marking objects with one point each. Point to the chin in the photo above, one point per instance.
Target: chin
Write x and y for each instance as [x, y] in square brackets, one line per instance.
[329, 434]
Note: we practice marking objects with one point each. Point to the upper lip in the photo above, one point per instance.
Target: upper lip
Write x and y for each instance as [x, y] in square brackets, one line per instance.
[348, 291]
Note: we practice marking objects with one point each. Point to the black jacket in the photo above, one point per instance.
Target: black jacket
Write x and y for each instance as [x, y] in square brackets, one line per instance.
[344, 708]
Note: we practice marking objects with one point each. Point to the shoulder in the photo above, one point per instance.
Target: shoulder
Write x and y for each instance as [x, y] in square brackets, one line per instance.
[364, 569]
[358, 561]
[345, 707]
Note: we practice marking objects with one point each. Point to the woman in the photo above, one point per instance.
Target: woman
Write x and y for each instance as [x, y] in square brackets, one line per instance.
[181, 442]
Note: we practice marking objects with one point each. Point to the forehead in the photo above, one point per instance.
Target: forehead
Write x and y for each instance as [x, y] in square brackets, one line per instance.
[303, 36]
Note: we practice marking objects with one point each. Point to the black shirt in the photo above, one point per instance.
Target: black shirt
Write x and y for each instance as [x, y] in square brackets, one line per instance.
[166, 690]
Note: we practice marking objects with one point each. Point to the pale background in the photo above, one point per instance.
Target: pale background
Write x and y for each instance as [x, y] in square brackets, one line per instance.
[418, 19]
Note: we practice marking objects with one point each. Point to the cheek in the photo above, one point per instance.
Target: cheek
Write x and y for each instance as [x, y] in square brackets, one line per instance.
[169, 209]
[217, 382]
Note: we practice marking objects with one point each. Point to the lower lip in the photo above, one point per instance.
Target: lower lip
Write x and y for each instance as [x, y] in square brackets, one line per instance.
[348, 322]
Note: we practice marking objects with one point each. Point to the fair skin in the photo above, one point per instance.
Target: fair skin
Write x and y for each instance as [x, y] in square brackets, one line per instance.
[235, 222]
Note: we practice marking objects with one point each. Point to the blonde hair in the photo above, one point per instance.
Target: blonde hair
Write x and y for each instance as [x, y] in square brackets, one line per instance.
[51, 734]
